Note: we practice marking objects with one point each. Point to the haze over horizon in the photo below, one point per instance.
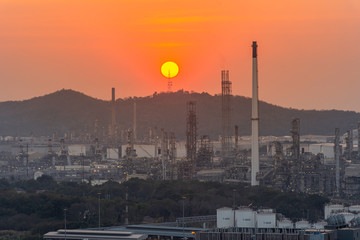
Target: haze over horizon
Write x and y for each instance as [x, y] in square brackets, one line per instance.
[308, 50]
[164, 92]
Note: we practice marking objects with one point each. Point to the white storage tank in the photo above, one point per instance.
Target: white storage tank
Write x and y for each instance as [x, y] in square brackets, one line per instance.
[303, 224]
[348, 216]
[224, 217]
[266, 220]
[332, 209]
[77, 150]
[245, 218]
[285, 223]
[320, 225]
[37, 175]
[142, 150]
[113, 153]
[354, 209]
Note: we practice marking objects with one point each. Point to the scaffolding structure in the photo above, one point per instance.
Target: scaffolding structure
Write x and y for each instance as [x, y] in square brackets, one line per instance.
[205, 153]
[295, 164]
[130, 151]
[337, 160]
[113, 120]
[295, 133]
[97, 150]
[349, 144]
[191, 133]
[226, 113]
[164, 153]
[172, 155]
[236, 137]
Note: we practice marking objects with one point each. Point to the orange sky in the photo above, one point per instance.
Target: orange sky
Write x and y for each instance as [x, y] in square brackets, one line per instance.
[309, 50]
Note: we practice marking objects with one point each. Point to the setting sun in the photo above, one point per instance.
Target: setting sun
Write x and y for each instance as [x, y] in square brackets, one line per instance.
[169, 69]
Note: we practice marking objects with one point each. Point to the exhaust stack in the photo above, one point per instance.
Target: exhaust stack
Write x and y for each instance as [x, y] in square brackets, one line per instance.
[254, 120]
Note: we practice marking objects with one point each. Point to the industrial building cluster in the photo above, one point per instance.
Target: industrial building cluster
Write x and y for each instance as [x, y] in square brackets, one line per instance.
[326, 165]
[339, 222]
[237, 223]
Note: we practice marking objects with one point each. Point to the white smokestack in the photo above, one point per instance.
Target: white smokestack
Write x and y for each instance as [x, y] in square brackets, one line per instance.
[254, 121]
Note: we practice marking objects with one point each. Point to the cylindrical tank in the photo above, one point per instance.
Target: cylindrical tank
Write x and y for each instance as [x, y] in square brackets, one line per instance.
[266, 220]
[37, 175]
[348, 216]
[302, 224]
[320, 225]
[77, 150]
[354, 209]
[332, 209]
[224, 217]
[245, 218]
[285, 223]
[340, 219]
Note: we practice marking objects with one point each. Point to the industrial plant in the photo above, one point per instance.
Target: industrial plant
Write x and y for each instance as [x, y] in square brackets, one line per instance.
[312, 164]
[326, 165]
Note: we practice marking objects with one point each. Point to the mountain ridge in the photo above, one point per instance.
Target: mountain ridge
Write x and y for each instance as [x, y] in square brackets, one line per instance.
[68, 110]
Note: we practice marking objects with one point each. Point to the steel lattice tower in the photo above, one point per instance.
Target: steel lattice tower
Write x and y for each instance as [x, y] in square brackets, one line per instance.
[191, 132]
[337, 160]
[295, 133]
[226, 113]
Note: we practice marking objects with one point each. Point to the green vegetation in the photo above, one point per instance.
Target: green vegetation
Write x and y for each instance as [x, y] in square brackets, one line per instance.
[36, 207]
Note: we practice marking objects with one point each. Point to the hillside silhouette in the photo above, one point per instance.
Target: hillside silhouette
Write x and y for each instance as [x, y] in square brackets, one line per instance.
[68, 110]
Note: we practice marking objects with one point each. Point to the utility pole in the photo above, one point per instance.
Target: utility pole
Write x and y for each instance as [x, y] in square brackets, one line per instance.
[65, 221]
[99, 194]
[183, 220]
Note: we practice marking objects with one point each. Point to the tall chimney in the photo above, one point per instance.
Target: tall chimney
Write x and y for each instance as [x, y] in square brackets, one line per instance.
[254, 120]
[112, 112]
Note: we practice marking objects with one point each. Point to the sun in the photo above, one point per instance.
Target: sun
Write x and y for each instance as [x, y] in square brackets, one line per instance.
[169, 69]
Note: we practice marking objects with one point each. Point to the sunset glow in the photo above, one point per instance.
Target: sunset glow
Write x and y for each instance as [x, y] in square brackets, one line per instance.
[306, 48]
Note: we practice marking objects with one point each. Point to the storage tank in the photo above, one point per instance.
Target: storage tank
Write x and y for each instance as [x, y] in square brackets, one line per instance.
[303, 224]
[224, 217]
[348, 216]
[336, 220]
[245, 218]
[354, 209]
[77, 150]
[113, 153]
[266, 220]
[285, 223]
[332, 209]
[37, 175]
[320, 225]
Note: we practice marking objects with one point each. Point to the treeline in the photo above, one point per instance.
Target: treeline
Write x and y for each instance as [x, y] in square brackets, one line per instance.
[37, 207]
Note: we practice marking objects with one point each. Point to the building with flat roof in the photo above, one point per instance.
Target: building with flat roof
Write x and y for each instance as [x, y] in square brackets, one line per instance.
[93, 234]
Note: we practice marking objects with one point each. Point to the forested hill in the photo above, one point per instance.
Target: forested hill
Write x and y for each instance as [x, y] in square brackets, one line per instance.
[68, 110]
